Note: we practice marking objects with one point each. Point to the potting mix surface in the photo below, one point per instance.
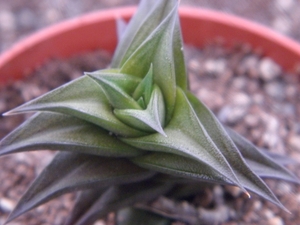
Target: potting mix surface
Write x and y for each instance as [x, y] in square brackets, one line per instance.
[246, 90]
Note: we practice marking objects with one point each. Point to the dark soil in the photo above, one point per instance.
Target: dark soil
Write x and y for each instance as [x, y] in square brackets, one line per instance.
[246, 90]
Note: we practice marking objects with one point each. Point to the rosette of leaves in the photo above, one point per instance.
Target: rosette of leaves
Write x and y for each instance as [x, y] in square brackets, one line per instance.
[133, 132]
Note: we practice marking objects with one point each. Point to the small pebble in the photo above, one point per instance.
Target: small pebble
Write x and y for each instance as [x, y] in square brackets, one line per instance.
[212, 99]
[268, 214]
[284, 4]
[257, 205]
[252, 120]
[6, 204]
[231, 114]
[294, 142]
[284, 188]
[215, 66]
[7, 21]
[275, 221]
[240, 99]
[100, 222]
[282, 24]
[268, 69]
[276, 90]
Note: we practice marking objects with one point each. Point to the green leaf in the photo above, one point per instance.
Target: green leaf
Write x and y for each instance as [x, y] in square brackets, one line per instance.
[119, 197]
[187, 137]
[149, 15]
[229, 150]
[125, 82]
[132, 216]
[178, 165]
[143, 24]
[80, 98]
[77, 171]
[179, 62]
[145, 87]
[118, 88]
[57, 131]
[157, 49]
[264, 165]
[151, 119]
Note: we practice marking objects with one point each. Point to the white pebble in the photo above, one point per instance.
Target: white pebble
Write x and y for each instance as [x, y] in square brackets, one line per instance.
[241, 99]
[52, 15]
[284, 188]
[282, 24]
[284, 4]
[232, 114]
[7, 21]
[99, 222]
[268, 214]
[215, 66]
[275, 221]
[6, 204]
[268, 69]
[210, 98]
[252, 120]
[257, 205]
[294, 142]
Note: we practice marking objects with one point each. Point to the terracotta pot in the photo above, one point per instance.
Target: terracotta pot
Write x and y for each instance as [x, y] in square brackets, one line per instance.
[98, 30]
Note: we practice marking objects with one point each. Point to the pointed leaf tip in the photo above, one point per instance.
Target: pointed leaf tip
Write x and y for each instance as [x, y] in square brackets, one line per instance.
[117, 88]
[77, 172]
[149, 120]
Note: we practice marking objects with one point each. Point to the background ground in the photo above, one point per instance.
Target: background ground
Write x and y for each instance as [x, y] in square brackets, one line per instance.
[19, 18]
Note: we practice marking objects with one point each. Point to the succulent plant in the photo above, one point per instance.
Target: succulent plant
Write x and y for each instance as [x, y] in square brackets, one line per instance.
[134, 132]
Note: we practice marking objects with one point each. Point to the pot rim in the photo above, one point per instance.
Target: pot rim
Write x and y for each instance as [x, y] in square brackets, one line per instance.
[212, 24]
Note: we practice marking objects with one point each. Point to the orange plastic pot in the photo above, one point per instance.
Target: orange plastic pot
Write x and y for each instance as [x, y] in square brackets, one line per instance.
[98, 30]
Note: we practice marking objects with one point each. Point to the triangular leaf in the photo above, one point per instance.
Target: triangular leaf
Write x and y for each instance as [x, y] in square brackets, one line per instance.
[215, 130]
[187, 137]
[145, 87]
[157, 49]
[148, 16]
[77, 171]
[149, 120]
[177, 165]
[55, 131]
[179, 62]
[125, 82]
[262, 163]
[118, 88]
[81, 98]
